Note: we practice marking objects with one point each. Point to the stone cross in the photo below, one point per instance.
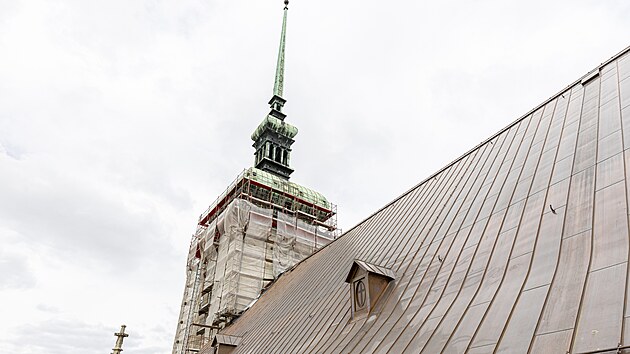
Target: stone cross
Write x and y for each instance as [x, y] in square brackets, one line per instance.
[119, 341]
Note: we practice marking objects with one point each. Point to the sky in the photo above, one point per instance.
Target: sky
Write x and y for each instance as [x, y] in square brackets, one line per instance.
[121, 121]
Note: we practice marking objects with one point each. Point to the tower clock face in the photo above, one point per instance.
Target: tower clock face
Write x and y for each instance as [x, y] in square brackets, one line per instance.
[359, 293]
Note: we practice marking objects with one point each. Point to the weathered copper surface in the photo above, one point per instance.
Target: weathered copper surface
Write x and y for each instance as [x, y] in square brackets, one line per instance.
[521, 245]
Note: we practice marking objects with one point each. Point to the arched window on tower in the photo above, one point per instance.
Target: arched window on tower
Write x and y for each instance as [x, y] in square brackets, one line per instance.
[278, 156]
[259, 154]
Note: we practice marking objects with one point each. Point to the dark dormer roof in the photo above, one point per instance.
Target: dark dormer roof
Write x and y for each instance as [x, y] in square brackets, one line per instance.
[226, 340]
[370, 268]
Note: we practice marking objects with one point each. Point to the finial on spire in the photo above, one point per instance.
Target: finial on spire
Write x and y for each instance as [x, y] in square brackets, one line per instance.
[286, 4]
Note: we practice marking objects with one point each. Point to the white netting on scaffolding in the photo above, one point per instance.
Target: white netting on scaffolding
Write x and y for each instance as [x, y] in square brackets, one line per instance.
[240, 266]
[240, 253]
[190, 303]
[296, 240]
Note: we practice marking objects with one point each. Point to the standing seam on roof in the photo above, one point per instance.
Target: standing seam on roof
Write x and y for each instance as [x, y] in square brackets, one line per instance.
[429, 211]
[506, 266]
[574, 157]
[324, 334]
[344, 290]
[490, 255]
[588, 271]
[458, 187]
[335, 266]
[489, 175]
[625, 167]
[455, 207]
[475, 194]
[518, 298]
[468, 188]
[545, 201]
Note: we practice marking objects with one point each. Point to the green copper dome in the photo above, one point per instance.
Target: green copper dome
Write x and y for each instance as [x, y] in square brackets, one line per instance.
[277, 125]
[285, 186]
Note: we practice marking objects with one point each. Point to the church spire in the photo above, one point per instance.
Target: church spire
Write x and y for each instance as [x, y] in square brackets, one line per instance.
[277, 101]
[278, 85]
[273, 137]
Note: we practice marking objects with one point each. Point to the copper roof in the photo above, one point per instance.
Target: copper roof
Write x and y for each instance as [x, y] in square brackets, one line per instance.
[521, 245]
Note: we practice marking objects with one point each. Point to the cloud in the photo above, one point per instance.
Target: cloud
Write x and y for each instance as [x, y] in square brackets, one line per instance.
[84, 220]
[47, 308]
[16, 273]
[61, 336]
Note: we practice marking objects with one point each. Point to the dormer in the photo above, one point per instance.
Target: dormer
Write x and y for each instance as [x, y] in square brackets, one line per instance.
[225, 344]
[368, 283]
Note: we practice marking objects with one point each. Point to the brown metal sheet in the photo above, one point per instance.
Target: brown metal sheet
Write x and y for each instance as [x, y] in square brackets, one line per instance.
[565, 294]
[610, 171]
[496, 268]
[486, 349]
[552, 343]
[569, 137]
[518, 332]
[601, 316]
[625, 116]
[609, 94]
[419, 340]
[624, 88]
[557, 194]
[610, 115]
[449, 322]
[547, 249]
[522, 189]
[562, 169]
[497, 315]
[585, 154]
[610, 234]
[543, 172]
[623, 65]
[580, 205]
[462, 336]
[609, 146]
[528, 227]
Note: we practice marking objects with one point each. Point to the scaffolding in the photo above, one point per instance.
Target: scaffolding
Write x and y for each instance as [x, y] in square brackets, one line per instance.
[189, 304]
[236, 253]
[260, 227]
[268, 191]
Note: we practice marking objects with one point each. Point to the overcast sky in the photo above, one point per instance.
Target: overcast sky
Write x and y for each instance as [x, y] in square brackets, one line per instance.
[121, 121]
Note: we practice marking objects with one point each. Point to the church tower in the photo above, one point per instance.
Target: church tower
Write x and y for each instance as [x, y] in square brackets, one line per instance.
[260, 227]
[273, 137]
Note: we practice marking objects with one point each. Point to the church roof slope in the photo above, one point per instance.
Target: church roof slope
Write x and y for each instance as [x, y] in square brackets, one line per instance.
[521, 245]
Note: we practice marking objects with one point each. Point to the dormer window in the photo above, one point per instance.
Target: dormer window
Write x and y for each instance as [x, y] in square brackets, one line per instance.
[360, 294]
[368, 283]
